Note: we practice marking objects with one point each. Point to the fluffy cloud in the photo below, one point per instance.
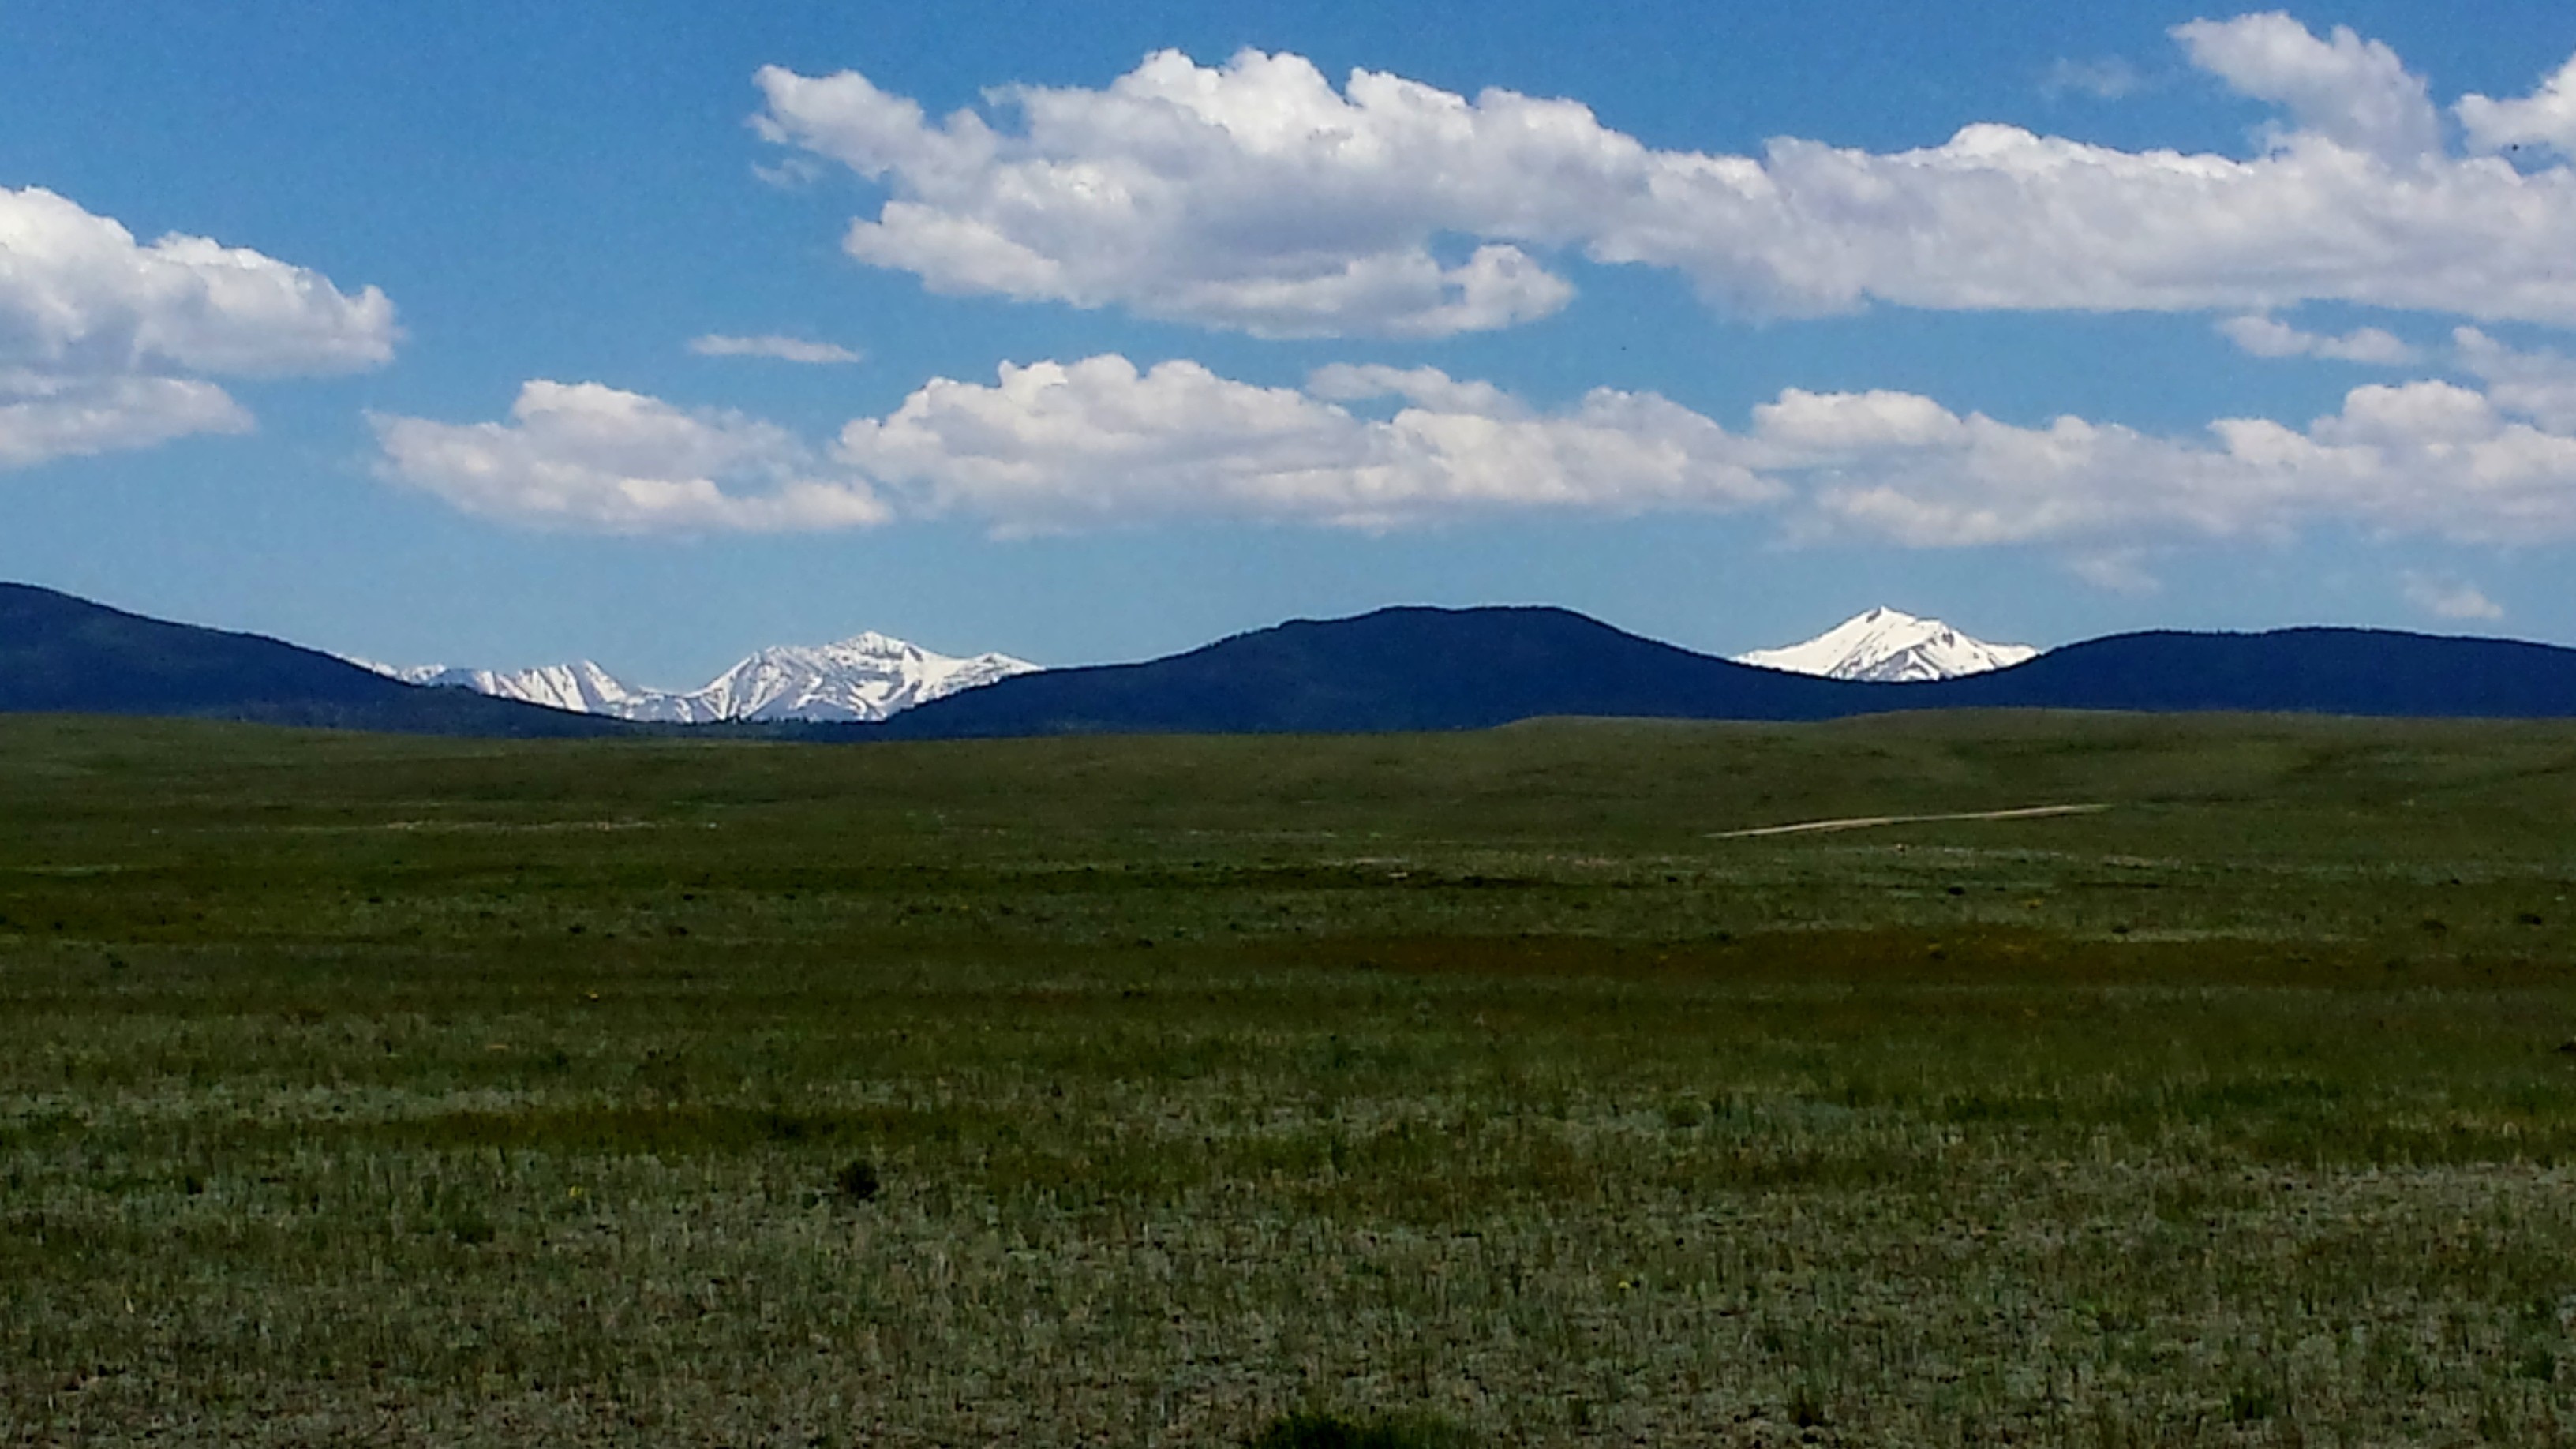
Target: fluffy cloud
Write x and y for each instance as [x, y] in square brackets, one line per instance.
[2423, 458]
[106, 343]
[1056, 446]
[79, 297]
[592, 458]
[782, 349]
[2269, 337]
[1256, 196]
[2537, 385]
[42, 418]
[1426, 387]
[2344, 90]
[2545, 118]
[1905, 469]
[2448, 598]
[1098, 443]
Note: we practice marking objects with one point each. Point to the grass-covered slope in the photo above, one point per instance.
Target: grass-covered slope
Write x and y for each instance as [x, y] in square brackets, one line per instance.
[63, 654]
[1175, 1091]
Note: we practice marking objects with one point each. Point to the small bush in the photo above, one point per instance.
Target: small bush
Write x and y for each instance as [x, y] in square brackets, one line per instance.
[858, 1181]
[2248, 1404]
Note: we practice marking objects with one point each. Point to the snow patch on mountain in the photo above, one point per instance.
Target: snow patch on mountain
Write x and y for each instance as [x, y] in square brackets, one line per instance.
[865, 677]
[1889, 646]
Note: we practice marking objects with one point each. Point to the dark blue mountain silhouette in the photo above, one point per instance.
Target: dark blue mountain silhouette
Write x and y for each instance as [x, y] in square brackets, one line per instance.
[1395, 669]
[2308, 671]
[1434, 669]
[60, 653]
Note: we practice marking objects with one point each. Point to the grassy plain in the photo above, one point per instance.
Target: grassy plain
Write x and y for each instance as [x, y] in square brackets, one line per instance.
[1141, 1092]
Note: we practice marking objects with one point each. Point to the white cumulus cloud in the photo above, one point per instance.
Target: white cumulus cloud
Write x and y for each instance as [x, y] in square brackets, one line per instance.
[2448, 598]
[1102, 443]
[2537, 385]
[1098, 442]
[2352, 92]
[43, 418]
[777, 348]
[1257, 196]
[108, 343]
[2545, 118]
[2423, 459]
[591, 458]
[2269, 337]
[1427, 387]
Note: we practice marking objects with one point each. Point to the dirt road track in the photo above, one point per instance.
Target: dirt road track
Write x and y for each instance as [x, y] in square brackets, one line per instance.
[1864, 822]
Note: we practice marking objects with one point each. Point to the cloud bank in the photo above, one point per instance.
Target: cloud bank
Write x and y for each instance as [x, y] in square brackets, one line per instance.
[2426, 459]
[106, 343]
[1056, 446]
[1255, 196]
[1260, 197]
[1102, 443]
[586, 458]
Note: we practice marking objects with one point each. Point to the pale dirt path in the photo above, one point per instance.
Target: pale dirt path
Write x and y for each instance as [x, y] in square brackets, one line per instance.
[1863, 822]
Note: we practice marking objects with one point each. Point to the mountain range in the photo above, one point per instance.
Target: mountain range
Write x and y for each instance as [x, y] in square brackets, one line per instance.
[1408, 668]
[1440, 669]
[864, 677]
[873, 677]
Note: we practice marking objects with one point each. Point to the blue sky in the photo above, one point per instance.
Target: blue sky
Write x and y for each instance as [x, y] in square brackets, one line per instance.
[1695, 318]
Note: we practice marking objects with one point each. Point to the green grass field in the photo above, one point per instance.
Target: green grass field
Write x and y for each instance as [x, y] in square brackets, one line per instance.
[1145, 1092]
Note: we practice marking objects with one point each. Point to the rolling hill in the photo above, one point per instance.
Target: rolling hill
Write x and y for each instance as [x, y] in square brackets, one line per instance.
[59, 653]
[1396, 669]
[2298, 671]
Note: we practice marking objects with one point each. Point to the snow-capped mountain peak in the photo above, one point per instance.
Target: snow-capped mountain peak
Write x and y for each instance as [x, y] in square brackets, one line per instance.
[864, 677]
[1890, 646]
[581, 686]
